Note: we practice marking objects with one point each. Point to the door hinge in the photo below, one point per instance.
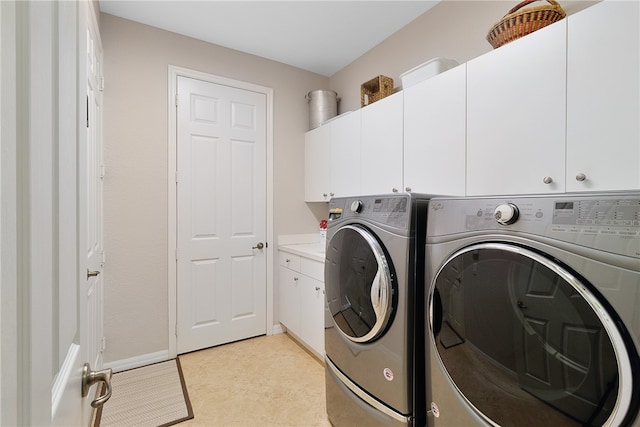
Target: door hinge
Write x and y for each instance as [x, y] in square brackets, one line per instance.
[101, 84]
[176, 99]
[103, 344]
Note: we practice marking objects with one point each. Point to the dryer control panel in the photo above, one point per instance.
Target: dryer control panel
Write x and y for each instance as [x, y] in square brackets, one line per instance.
[608, 222]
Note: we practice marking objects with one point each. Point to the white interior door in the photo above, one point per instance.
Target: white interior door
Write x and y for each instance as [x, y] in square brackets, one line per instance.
[93, 291]
[221, 214]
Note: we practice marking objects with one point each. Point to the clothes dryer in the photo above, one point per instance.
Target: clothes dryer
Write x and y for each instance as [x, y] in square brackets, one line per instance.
[374, 343]
[533, 310]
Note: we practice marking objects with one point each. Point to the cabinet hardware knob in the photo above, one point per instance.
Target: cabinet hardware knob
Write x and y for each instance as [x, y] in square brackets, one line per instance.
[295, 279]
[547, 180]
[317, 288]
[331, 194]
[407, 189]
[287, 260]
[324, 194]
[581, 177]
[395, 190]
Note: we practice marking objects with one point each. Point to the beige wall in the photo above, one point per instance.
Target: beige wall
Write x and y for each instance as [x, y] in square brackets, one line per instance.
[136, 59]
[452, 29]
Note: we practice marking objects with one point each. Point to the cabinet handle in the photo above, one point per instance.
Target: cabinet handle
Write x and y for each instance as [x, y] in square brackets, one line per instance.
[324, 195]
[295, 279]
[331, 194]
[317, 288]
[395, 190]
[547, 180]
[407, 189]
[581, 177]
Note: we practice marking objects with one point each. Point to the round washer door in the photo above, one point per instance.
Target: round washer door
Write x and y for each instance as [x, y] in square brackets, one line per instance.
[359, 283]
[512, 326]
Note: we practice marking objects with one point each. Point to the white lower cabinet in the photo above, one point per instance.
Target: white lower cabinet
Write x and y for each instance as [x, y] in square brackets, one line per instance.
[301, 300]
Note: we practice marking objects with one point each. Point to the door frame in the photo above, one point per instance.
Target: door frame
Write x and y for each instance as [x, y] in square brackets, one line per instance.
[174, 72]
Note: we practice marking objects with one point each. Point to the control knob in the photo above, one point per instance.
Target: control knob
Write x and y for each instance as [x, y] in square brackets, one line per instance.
[506, 213]
[356, 206]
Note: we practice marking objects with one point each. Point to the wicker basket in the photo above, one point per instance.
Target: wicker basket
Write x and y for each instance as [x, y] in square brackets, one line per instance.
[518, 23]
[375, 89]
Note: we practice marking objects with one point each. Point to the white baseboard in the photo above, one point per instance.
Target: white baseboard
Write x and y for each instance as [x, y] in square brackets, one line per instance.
[277, 329]
[138, 361]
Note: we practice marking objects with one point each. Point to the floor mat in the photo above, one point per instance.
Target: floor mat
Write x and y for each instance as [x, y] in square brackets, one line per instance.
[153, 395]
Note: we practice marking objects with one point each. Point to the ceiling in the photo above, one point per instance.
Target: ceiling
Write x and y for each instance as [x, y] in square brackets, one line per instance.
[318, 36]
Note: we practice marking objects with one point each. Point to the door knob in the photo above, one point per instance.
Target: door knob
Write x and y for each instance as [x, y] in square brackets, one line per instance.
[260, 245]
[92, 273]
[90, 378]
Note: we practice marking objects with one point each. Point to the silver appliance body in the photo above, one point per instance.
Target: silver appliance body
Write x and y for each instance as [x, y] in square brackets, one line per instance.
[533, 310]
[374, 340]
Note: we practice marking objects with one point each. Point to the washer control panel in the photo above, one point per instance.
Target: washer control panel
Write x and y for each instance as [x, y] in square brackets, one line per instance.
[609, 222]
[506, 213]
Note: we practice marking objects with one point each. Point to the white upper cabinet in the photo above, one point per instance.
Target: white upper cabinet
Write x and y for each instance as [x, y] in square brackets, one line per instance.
[603, 97]
[381, 146]
[516, 104]
[332, 159]
[434, 134]
[316, 165]
[345, 155]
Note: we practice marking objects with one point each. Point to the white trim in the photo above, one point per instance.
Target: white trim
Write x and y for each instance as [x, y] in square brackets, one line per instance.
[277, 329]
[173, 74]
[138, 361]
[10, 352]
[62, 379]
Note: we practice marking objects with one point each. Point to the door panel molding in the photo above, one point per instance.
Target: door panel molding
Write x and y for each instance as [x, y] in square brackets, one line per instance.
[172, 178]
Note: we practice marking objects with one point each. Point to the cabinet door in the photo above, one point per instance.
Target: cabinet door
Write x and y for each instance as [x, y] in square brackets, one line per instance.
[516, 103]
[316, 165]
[381, 145]
[603, 97]
[345, 155]
[434, 134]
[289, 300]
[312, 319]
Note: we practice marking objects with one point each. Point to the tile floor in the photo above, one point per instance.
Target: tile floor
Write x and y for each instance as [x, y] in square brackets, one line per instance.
[264, 381]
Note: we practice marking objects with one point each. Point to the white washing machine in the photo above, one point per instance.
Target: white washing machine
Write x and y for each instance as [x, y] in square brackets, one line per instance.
[534, 310]
[374, 283]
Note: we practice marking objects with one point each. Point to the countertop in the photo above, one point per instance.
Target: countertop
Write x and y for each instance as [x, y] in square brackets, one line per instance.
[314, 251]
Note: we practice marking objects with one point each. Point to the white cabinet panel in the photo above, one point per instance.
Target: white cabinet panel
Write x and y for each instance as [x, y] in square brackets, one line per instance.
[381, 146]
[316, 165]
[603, 97]
[516, 104]
[345, 155]
[332, 159]
[302, 300]
[312, 314]
[435, 134]
[289, 299]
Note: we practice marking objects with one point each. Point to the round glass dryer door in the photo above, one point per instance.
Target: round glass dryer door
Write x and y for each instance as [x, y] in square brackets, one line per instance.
[526, 343]
[359, 283]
